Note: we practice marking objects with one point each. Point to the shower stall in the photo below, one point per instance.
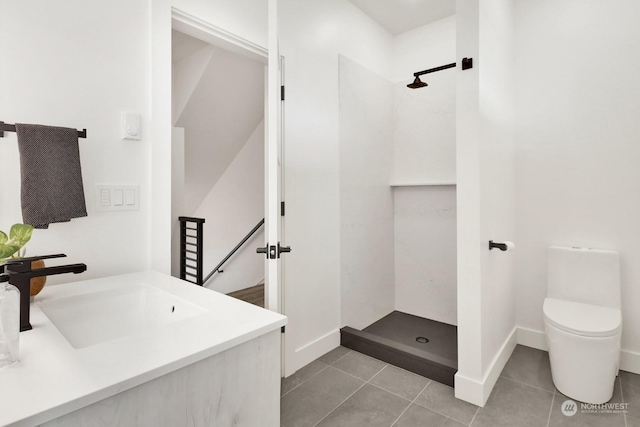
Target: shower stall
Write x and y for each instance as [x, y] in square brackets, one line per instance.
[398, 213]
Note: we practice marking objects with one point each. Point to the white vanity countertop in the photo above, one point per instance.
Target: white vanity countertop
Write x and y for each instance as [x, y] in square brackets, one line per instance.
[52, 378]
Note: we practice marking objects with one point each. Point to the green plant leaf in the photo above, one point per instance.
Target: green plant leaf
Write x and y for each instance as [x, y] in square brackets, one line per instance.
[7, 250]
[3, 238]
[20, 234]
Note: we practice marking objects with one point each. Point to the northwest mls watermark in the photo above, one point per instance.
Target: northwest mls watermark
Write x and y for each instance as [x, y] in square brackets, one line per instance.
[570, 408]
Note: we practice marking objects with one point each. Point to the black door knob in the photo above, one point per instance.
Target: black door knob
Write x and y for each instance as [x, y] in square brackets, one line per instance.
[283, 249]
[264, 251]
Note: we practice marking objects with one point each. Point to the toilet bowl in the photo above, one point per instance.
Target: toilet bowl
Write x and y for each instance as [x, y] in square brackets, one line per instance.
[583, 322]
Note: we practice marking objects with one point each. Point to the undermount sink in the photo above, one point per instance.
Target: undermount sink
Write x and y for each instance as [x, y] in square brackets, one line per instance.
[93, 318]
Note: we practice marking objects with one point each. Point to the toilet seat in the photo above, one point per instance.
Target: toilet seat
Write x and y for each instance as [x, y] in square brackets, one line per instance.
[582, 319]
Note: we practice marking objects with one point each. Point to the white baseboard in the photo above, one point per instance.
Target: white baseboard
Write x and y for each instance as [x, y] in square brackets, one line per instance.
[477, 392]
[311, 351]
[629, 360]
[468, 389]
[532, 338]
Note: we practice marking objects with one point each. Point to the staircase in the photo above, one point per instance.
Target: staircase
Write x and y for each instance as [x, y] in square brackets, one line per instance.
[253, 295]
[191, 259]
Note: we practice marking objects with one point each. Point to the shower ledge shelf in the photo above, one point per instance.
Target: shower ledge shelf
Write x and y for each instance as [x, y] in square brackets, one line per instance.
[422, 184]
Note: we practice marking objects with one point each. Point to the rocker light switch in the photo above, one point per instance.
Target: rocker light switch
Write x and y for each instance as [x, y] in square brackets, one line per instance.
[129, 197]
[117, 196]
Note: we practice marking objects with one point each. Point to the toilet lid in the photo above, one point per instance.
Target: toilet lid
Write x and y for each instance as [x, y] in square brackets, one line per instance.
[582, 319]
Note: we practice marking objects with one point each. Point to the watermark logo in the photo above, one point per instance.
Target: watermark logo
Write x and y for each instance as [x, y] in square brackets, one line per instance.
[604, 408]
[569, 408]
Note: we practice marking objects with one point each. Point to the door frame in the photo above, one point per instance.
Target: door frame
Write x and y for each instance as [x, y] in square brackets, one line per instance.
[196, 27]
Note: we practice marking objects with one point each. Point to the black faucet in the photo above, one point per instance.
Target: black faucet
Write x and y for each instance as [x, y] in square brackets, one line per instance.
[18, 272]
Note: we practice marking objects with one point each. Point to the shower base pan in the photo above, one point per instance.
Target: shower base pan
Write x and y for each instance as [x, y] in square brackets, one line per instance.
[419, 345]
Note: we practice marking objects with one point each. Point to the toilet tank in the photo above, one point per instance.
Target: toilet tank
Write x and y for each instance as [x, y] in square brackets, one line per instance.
[591, 276]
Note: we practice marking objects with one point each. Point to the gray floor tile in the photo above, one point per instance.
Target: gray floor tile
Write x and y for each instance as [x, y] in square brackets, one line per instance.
[369, 406]
[359, 365]
[303, 374]
[529, 366]
[417, 416]
[617, 391]
[334, 355]
[440, 398]
[313, 400]
[582, 417]
[633, 421]
[631, 392]
[400, 382]
[515, 404]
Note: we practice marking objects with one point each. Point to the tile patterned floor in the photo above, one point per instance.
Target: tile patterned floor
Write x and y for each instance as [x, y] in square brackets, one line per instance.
[345, 388]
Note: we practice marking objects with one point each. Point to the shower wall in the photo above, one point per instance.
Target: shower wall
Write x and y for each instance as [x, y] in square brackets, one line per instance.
[425, 252]
[398, 232]
[425, 151]
[366, 200]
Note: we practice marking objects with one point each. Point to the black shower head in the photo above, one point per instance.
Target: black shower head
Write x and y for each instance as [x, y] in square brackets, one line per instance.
[466, 64]
[417, 83]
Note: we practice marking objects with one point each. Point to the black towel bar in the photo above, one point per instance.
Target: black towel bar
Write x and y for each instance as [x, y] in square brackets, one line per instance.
[6, 127]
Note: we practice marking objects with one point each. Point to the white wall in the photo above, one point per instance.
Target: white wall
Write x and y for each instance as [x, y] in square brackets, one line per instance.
[177, 198]
[312, 34]
[66, 64]
[224, 108]
[428, 46]
[232, 208]
[485, 173]
[190, 58]
[366, 200]
[577, 127]
[425, 252]
[497, 175]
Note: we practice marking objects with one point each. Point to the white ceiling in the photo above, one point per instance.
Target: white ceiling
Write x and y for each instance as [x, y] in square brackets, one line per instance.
[399, 16]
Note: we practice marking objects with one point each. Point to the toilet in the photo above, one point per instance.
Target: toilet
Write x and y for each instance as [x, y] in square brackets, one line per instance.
[583, 321]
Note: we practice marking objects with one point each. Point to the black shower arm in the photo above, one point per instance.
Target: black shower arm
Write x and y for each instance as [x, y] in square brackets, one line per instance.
[466, 64]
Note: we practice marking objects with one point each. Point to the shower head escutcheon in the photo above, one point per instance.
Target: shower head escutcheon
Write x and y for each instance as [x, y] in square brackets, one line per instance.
[417, 83]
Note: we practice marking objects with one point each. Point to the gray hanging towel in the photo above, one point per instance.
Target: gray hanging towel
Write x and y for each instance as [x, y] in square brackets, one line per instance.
[52, 188]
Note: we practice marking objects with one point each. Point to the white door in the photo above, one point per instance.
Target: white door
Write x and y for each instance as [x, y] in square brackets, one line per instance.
[273, 170]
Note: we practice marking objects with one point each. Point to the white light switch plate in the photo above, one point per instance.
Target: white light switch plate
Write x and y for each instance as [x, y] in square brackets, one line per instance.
[117, 197]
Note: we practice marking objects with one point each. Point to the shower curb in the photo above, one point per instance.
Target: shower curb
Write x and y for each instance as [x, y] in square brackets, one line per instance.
[422, 363]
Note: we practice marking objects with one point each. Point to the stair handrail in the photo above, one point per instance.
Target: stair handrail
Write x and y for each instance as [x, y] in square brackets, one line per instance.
[233, 251]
